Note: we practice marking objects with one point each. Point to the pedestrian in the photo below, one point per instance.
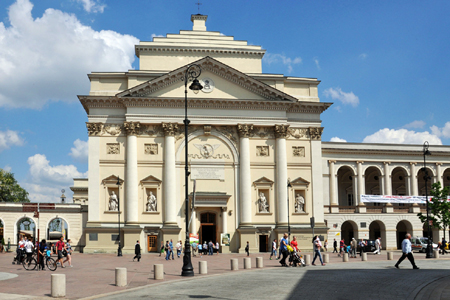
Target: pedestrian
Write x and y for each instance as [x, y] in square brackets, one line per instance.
[353, 243]
[341, 247]
[211, 248]
[407, 252]
[444, 245]
[362, 245]
[69, 253]
[294, 245]
[137, 251]
[274, 249]
[200, 249]
[42, 253]
[178, 249]
[284, 242]
[194, 248]
[171, 247]
[161, 250]
[325, 245]
[377, 246]
[316, 247]
[167, 249]
[217, 247]
[60, 246]
[335, 246]
[29, 248]
[205, 248]
[247, 249]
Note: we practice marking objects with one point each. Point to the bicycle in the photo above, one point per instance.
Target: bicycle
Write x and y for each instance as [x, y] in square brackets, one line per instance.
[30, 264]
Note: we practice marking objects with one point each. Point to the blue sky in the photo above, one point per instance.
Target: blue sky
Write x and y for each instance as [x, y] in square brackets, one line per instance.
[384, 64]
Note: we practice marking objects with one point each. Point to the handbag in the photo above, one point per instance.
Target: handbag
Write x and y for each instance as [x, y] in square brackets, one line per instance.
[64, 252]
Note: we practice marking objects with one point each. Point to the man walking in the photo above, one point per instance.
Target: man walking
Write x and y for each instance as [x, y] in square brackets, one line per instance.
[377, 246]
[335, 246]
[171, 247]
[283, 249]
[407, 252]
[362, 244]
[137, 251]
[353, 244]
[443, 245]
[60, 246]
[274, 249]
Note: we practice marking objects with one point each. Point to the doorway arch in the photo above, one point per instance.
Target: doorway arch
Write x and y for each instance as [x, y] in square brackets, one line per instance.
[208, 227]
[403, 227]
[346, 188]
[26, 227]
[55, 229]
[378, 229]
[349, 230]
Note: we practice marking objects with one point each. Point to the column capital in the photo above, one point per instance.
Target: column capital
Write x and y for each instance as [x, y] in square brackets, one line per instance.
[132, 128]
[94, 128]
[315, 133]
[170, 129]
[332, 161]
[245, 130]
[412, 163]
[386, 162]
[359, 162]
[439, 164]
[281, 131]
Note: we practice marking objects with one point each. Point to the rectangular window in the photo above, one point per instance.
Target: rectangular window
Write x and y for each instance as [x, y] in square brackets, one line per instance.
[350, 199]
[115, 237]
[363, 225]
[93, 236]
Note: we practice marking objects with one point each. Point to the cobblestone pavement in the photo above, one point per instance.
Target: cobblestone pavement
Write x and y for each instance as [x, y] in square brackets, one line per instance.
[93, 274]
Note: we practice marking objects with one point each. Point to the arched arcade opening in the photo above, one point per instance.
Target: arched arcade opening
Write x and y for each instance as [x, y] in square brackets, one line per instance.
[403, 227]
[378, 229]
[349, 230]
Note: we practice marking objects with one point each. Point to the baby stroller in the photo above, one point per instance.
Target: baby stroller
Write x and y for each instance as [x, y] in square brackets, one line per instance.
[295, 258]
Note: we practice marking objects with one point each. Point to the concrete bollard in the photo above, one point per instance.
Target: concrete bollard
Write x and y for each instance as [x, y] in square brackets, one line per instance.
[121, 276]
[390, 255]
[58, 285]
[307, 259]
[326, 258]
[247, 263]
[203, 267]
[234, 264]
[259, 262]
[345, 257]
[158, 271]
[436, 253]
[364, 256]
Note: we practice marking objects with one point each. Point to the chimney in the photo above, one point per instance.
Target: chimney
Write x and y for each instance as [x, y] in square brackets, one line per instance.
[199, 22]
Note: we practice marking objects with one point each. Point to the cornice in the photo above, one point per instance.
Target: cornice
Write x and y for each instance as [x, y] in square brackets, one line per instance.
[382, 152]
[200, 50]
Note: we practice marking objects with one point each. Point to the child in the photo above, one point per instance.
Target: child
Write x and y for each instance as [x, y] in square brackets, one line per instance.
[48, 252]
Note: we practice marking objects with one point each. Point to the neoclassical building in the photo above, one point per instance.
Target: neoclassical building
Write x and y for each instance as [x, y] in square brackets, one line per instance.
[250, 134]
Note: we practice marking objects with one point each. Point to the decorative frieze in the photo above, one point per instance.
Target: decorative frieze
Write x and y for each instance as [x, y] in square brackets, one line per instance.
[298, 133]
[315, 133]
[245, 130]
[152, 130]
[112, 148]
[132, 128]
[94, 128]
[298, 151]
[113, 129]
[170, 128]
[262, 150]
[281, 131]
[264, 132]
[151, 149]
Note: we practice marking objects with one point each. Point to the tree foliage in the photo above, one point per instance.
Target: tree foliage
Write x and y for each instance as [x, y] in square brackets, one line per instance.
[10, 190]
[439, 207]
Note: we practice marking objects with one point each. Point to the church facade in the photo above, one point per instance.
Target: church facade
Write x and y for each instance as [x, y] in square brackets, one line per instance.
[250, 134]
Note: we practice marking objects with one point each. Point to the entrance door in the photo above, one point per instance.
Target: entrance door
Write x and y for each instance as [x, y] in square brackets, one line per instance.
[208, 229]
[263, 243]
[151, 242]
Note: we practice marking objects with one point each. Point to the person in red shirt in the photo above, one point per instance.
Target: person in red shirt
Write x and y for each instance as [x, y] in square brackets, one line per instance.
[60, 246]
[294, 245]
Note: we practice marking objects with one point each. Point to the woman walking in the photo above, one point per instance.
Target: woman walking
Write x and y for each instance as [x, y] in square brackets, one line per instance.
[69, 253]
[317, 245]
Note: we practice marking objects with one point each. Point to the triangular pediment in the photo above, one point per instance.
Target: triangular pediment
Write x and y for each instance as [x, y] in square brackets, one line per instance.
[263, 181]
[151, 180]
[229, 83]
[300, 181]
[112, 180]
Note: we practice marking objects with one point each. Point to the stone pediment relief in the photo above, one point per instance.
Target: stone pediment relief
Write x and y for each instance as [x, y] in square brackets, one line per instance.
[300, 181]
[112, 180]
[212, 66]
[263, 181]
[151, 180]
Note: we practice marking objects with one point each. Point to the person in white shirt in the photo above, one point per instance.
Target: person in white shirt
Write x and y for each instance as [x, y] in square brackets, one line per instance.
[179, 247]
[29, 249]
[217, 247]
[407, 252]
[377, 246]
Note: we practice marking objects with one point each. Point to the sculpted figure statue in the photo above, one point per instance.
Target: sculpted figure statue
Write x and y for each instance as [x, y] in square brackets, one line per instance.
[113, 202]
[299, 203]
[151, 202]
[263, 206]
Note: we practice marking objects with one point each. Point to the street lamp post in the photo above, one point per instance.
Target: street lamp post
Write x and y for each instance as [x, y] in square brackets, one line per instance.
[119, 250]
[192, 73]
[289, 224]
[426, 178]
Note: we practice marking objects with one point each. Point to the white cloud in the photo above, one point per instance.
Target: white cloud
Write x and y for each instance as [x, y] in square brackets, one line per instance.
[81, 150]
[415, 124]
[47, 58]
[402, 136]
[7, 168]
[10, 138]
[45, 181]
[339, 140]
[362, 56]
[316, 61]
[345, 98]
[92, 6]
[270, 58]
[441, 132]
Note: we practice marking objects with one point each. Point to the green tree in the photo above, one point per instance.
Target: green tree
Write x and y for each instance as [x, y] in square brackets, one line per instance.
[439, 207]
[10, 190]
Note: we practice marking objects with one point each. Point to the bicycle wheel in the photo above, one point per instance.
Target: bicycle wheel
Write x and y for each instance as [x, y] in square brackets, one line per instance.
[29, 264]
[51, 264]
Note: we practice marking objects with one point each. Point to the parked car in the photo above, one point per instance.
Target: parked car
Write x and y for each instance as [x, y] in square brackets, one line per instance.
[369, 247]
[420, 244]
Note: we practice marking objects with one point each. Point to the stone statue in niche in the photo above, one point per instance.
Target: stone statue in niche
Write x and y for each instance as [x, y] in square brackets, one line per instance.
[113, 202]
[299, 203]
[263, 206]
[151, 202]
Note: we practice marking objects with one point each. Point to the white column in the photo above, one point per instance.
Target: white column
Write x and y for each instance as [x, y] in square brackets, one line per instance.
[317, 174]
[131, 176]
[439, 174]
[281, 173]
[387, 179]
[169, 175]
[413, 179]
[361, 184]
[94, 173]
[245, 196]
[332, 183]
[224, 220]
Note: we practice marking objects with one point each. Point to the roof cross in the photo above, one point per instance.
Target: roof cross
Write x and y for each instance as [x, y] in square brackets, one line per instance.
[198, 3]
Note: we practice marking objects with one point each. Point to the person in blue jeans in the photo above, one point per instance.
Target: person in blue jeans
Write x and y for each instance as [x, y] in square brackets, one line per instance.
[317, 245]
[283, 249]
[211, 248]
[167, 249]
[171, 247]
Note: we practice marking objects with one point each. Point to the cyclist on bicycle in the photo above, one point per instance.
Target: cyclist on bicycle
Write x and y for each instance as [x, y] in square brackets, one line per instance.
[42, 253]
